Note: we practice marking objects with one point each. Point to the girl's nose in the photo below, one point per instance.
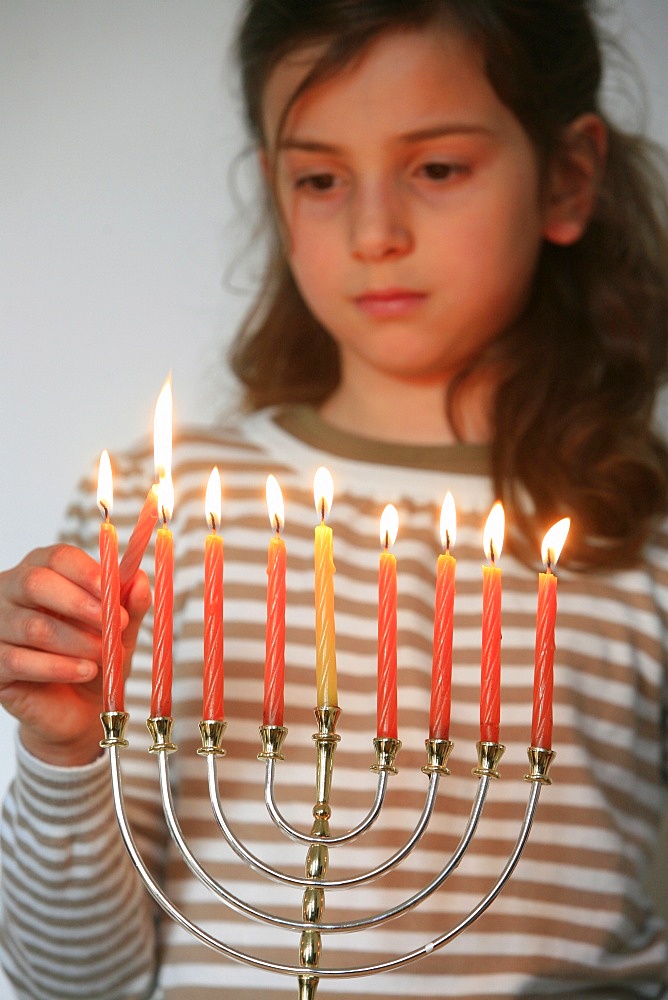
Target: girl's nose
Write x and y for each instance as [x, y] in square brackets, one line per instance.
[379, 224]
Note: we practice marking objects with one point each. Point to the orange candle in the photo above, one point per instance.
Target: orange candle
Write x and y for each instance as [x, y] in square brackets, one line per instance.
[112, 646]
[161, 677]
[541, 723]
[139, 539]
[441, 670]
[213, 689]
[490, 669]
[274, 662]
[325, 641]
[387, 627]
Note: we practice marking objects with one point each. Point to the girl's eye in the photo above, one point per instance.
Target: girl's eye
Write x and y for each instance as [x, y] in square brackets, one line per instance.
[316, 182]
[440, 171]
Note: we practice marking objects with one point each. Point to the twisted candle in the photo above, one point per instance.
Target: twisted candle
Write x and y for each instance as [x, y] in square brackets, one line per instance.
[441, 670]
[138, 542]
[325, 640]
[112, 646]
[490, 667]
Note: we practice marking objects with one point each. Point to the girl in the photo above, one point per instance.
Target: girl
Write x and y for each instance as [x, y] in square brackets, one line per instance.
[466, 291]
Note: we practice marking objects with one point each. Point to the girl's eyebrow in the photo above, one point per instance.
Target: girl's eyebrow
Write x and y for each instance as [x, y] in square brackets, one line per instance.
[416, 135]
[436, 131]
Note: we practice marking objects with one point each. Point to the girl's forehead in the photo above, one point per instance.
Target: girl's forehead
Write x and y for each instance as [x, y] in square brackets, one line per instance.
[432, 61]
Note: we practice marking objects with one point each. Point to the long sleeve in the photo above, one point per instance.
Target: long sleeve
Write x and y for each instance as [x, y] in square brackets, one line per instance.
[76, 920]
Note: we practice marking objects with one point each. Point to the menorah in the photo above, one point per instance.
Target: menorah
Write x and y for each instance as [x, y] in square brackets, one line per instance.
[318, 842]
[311, 928]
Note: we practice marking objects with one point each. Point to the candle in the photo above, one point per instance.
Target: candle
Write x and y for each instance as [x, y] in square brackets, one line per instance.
[161, 688]
[325, 648]
[387, 627]
[441, 670]
[490, 672]
[139, 539]
[213, 687]
[112, 647]
[274, 663]
[541, 723]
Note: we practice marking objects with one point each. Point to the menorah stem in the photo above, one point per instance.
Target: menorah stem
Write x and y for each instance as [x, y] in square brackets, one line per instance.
[317, 856]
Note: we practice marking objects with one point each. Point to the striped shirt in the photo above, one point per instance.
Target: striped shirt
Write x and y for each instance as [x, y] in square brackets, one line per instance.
[572, 921]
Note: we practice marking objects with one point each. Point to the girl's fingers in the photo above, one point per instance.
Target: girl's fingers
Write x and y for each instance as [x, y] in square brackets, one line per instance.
[46, 633]
[62, 580]
[25, 665]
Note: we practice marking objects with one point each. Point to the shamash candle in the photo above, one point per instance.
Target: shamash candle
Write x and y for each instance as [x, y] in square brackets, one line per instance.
[325, 641]
[213, 686]
[387, 627]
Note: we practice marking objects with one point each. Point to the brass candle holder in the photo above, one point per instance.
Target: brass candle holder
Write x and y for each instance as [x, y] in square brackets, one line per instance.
[313, 926]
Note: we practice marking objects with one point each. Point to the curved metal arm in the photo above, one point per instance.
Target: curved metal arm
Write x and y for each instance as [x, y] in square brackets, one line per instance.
[234, 902]
[255, 863]
[374, 920]
[324, 973]
[308, 838]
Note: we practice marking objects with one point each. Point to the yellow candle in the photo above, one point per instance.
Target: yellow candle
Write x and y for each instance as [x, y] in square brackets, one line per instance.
[325, 641]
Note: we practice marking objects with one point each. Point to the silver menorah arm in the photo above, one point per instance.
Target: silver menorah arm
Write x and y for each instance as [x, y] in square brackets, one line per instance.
[276, 875]
[161, 729]
[309, 972]
[308, 838]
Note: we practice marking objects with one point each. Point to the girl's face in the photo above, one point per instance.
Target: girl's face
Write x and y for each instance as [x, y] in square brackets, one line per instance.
[410, 201]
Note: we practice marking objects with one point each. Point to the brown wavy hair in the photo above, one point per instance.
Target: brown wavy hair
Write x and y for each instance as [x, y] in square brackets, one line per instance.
[573, 414]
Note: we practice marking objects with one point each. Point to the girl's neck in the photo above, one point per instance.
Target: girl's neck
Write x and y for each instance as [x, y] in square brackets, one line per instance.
[405, 412]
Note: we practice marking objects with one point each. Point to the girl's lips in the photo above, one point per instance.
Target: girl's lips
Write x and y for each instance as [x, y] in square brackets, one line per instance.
[390, 302]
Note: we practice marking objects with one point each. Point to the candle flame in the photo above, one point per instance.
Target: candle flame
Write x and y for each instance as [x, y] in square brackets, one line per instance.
[212, 503]
[389, 526]
[275, 504]
[162, 432]
[105, 485]
[165, 498]
[448, 521]
[554, 541]
[323, 491]
[494, 531]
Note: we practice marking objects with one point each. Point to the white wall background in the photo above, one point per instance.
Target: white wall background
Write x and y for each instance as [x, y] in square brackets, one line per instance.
[118, 127]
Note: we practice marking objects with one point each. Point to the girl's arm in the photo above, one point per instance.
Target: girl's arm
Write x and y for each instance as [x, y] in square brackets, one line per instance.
[76, 921]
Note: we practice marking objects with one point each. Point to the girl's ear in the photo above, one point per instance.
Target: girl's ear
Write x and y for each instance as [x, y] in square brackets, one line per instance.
[573, 179]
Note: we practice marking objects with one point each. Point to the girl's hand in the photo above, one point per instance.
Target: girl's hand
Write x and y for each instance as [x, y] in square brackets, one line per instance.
[50, 650]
